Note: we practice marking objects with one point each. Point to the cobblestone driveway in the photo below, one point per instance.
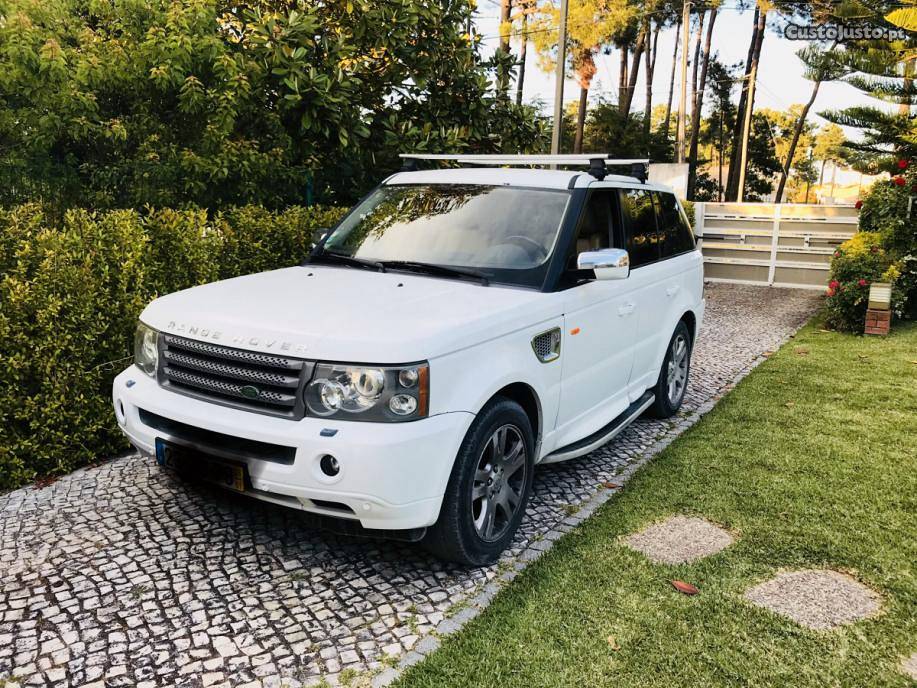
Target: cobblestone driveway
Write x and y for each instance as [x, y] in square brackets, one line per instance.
[123, 575]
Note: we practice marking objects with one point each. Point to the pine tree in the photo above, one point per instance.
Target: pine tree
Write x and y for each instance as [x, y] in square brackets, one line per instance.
[884, 70]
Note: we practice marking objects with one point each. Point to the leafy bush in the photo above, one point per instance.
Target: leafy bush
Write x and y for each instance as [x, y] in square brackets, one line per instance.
[884, 210]
[70, 294]
[856, 264]
[884, 218]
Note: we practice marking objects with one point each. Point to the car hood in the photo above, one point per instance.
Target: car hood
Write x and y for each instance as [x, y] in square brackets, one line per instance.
[347, 314]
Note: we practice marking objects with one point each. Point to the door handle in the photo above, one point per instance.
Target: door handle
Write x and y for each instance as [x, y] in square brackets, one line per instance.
[671, 291]
[627, 308]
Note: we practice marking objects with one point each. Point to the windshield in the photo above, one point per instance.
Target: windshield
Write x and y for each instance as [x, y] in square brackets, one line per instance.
[472, 226]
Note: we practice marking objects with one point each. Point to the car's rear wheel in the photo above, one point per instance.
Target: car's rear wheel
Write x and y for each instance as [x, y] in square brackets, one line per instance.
[489, 488]
[673, 377]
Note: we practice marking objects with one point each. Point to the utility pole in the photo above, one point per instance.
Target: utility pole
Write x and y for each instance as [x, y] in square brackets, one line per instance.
[683, 101]
[559, 79]
[743, 157]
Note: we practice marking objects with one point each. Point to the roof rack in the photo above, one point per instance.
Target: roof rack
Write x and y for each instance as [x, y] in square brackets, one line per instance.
[597, 162]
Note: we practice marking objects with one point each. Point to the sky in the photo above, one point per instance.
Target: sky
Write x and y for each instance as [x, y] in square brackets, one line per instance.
[780, 73]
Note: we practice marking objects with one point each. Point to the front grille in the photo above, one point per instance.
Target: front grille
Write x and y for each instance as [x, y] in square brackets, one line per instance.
[266, 383]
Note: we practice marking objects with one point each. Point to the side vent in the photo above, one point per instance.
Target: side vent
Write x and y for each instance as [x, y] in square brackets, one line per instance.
[547, 345]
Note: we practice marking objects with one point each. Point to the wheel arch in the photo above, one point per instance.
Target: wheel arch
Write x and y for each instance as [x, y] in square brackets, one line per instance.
[690, 320]
[526, 396]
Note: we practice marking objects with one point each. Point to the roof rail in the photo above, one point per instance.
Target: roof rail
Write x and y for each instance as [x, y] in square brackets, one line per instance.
[597, 162]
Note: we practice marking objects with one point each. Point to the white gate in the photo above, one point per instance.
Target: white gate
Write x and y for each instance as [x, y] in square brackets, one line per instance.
[788, 245]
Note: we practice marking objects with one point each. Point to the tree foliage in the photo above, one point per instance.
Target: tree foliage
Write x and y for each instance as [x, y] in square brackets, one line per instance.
[194, 102]
[884, 70]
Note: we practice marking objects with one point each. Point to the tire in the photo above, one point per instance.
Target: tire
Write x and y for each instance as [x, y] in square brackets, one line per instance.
[676, 367]
[474, 525]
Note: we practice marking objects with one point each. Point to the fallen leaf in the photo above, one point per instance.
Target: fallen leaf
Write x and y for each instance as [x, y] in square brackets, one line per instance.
[862, 356]
[45, 481]
[914, 362]
[684, 588]
[827, 331]
[790, 404]
[802, 351]
[767, 354]
[613, 643]
[610, 485]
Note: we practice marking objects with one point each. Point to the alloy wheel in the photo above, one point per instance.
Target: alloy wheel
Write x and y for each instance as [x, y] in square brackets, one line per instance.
[677, 372]
[499, 481]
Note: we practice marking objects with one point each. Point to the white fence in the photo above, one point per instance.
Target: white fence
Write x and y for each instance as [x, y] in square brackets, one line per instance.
[788, 245]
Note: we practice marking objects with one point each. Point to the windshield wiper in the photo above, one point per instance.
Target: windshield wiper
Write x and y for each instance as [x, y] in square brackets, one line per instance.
[343, 259]
[431, 269]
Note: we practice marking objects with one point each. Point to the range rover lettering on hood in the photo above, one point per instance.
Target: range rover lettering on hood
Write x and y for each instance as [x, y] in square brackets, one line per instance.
[212, 335]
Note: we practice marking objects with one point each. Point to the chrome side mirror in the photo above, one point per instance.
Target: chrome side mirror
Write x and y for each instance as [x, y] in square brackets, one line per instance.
[608, 263]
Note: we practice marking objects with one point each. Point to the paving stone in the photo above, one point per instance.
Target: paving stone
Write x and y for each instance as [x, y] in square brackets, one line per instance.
[909, 666]
[679, 539]
[133, 562]
[819, 599]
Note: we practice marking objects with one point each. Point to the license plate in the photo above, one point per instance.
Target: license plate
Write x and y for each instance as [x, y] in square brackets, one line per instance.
[199, 465]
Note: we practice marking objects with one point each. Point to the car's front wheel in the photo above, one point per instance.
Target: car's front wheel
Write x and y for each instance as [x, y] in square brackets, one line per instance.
[673, 378]
[489, 487]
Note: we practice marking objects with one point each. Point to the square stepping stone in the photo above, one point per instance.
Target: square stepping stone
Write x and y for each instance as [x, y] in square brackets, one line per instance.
[818, 599]
[679, 539]
[909, 666]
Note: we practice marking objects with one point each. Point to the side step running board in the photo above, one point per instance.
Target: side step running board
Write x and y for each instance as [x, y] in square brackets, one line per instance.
[602, 435]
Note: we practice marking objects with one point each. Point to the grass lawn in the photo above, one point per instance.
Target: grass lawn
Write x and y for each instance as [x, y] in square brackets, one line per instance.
[811, 462]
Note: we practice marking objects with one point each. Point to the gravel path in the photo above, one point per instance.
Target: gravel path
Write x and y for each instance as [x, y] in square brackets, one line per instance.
[123, 575]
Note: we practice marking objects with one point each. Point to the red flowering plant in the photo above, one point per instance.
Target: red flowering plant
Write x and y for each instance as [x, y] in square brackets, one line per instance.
[858, 262]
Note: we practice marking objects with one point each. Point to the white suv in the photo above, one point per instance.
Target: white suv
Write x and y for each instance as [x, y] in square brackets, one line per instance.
[456, 329]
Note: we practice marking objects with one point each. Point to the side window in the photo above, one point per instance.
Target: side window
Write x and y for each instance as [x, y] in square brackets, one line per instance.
[592, 234]
[676, 233]
[640, 227]
[594, 231]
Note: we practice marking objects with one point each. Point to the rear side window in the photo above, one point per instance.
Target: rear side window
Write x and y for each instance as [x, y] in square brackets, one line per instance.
[640, 227]
[677, 236]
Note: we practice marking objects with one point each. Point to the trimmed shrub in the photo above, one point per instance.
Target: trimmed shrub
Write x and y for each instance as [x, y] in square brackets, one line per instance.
[70, 294]
[856, 264]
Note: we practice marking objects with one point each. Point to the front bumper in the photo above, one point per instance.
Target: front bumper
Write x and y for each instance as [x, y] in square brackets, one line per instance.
[392, 475]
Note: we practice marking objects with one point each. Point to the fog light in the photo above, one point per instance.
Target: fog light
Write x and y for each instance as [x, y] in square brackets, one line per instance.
[329, 465]
[403, 404]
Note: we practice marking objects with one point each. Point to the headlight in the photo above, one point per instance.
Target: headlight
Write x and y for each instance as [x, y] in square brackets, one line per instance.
[146, 349]
[372, 393]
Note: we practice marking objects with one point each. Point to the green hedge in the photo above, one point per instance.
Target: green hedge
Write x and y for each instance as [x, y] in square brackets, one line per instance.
[70, 294]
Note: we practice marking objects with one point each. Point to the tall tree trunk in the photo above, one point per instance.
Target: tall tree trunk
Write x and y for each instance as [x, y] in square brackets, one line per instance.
[754, 54]
[821, 177]
[719, 191]
[650, 71]
[668, 107]
[797, 132]
[639, 47]
[698, 107]
[520, 80]
[695, 62]
[503, 78]
[833, 177]
[622, 76]
[581, 119]
[732, 177]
